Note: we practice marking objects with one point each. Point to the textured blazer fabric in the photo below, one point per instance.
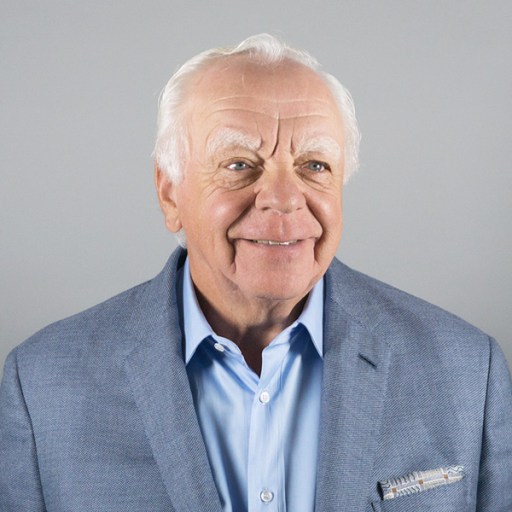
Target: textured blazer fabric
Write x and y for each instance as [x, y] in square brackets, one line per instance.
[96, 412]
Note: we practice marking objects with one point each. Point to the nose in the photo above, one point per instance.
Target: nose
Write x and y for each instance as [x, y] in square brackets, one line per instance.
[279, 190]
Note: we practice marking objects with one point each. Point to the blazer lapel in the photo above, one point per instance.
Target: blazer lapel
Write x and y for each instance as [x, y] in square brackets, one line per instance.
[158, 377]
[355, 374]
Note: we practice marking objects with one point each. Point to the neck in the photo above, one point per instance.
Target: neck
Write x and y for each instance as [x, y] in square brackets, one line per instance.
[252, 326]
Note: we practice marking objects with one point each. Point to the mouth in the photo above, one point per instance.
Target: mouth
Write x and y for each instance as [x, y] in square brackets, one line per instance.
[275, 242]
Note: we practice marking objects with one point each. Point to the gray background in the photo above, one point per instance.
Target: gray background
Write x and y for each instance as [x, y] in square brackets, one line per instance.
[429, 211]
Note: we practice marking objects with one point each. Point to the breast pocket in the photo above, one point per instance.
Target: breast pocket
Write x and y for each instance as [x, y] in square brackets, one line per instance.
[450, 498]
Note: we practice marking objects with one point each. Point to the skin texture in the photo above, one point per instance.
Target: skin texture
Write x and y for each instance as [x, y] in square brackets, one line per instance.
[265, 163]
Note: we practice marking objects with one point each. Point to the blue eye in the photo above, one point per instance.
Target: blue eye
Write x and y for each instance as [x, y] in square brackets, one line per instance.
[238, 166]
[316, 166]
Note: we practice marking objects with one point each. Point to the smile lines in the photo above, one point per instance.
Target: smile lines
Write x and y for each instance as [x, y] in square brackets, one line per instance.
[274, 242]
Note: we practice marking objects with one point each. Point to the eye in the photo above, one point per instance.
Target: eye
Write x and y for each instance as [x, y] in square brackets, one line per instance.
[238, 166]
[316, 166]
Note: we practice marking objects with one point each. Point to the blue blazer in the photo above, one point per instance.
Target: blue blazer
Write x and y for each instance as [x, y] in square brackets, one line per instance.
[96, 412]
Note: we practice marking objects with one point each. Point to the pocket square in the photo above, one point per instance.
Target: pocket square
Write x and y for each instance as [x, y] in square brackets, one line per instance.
[419, 481]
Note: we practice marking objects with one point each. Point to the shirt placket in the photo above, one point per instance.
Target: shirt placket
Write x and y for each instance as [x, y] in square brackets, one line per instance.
[265, 469]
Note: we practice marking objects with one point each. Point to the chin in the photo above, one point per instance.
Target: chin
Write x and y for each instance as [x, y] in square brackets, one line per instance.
[281, 288]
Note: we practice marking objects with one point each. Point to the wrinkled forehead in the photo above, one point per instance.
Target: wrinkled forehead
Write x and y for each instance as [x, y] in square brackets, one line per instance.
[275, 89]
[224, 139]
[243, 94]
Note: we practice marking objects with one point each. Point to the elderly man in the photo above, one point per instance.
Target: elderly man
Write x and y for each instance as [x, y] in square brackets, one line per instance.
[256, 372]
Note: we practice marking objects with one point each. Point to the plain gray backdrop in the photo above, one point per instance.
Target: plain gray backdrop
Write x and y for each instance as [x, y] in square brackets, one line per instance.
[429, 212]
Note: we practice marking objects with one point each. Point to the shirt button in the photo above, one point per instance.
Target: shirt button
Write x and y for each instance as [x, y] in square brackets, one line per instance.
[219, 347]
[266, 496]
[265, 397]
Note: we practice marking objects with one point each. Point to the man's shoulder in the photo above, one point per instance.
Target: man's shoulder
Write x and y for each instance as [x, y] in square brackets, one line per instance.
[113, 326]
[91, 326]
[397, 317]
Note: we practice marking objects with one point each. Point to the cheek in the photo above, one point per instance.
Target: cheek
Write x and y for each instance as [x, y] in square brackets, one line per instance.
[210, 218]
[328, 212]
[227, 208]
[221, 212]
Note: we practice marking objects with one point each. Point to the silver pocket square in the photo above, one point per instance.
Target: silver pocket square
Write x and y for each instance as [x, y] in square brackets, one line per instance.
[418, 481]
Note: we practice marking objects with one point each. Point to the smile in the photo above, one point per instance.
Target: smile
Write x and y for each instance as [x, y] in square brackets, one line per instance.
[274, 242]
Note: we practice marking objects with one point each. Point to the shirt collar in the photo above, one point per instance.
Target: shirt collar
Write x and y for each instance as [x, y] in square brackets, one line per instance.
[197, 327]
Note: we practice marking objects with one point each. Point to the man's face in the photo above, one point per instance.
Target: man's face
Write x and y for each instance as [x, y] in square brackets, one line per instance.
[260, 201]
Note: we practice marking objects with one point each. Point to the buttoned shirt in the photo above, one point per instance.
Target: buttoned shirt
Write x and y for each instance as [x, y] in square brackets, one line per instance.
[261, 432]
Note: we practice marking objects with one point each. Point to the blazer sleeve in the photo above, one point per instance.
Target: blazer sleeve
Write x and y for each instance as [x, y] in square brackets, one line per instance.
[495, 487]
[20, 485]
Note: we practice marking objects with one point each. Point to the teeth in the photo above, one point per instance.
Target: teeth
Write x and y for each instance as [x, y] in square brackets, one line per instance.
[274, 242]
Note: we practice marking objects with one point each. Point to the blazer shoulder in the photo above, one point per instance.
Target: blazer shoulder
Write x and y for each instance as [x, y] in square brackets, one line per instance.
[94, 325]
[115, 324]
[397, 316]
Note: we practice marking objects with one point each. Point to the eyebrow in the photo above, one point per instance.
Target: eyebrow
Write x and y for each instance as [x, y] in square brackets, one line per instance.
[319, 145]
[228, 137]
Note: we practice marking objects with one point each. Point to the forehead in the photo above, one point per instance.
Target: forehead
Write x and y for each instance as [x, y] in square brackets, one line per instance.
[243, 94]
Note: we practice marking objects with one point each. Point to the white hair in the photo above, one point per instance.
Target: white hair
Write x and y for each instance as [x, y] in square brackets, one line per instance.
[171, 148]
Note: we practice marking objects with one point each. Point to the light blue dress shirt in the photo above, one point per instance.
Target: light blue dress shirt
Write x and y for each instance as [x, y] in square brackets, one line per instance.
[261, 432]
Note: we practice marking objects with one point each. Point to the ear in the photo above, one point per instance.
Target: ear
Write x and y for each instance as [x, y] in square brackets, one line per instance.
[166, 192]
